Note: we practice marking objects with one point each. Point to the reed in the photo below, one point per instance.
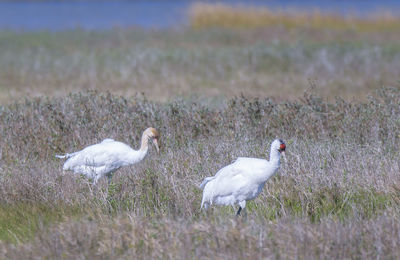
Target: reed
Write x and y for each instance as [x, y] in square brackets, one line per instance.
[204, 15]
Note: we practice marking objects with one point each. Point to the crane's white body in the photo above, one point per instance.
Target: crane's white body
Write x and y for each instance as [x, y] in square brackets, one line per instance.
[98, 160]
[240, 181]
[102, 159]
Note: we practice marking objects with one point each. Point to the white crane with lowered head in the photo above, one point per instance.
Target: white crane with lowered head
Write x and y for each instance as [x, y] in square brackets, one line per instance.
[242, 180]
[98, 160]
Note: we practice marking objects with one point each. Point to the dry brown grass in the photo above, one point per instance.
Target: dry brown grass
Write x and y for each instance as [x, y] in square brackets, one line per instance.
[128, 236]
[336, 196]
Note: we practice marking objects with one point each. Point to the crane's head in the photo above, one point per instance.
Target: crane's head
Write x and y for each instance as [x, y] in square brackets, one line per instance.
[153, 135]
[279, 145]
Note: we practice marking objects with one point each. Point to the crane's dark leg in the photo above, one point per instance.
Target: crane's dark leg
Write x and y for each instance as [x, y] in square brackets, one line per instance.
[238, 212]
[242, 205]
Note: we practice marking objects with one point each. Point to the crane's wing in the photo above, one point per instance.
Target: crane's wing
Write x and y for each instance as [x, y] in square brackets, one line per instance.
[108, 152]
[236, 176]
[242, 165]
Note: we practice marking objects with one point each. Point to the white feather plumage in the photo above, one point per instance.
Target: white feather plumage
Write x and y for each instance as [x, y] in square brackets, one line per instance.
[98, 160]
[242, 180]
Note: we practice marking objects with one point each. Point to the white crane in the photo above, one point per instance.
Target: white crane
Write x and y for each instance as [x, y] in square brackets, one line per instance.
[98, 160]
[242, 180]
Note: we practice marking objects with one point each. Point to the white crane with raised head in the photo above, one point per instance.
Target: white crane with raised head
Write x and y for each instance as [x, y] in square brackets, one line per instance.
[242, 180]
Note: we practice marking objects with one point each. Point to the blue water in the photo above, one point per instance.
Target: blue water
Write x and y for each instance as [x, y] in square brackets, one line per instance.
[94, 15]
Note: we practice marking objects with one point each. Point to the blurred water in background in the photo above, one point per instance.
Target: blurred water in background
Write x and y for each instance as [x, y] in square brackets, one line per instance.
[92, 15]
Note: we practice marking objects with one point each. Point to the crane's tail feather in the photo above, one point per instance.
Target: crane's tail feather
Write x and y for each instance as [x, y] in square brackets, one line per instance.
[67, 155]
[205, 181]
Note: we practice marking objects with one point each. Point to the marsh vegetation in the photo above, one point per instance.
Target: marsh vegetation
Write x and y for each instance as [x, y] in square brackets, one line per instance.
[214, 94]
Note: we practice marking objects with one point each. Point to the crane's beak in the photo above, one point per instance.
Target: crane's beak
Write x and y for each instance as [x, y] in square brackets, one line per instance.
[283, 153]
[155, 142]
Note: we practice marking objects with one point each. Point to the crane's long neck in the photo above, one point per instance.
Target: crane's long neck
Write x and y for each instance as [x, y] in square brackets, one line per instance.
[275, 156]
[145, 143]
[274, 160]
[271, 167]
[135, 156]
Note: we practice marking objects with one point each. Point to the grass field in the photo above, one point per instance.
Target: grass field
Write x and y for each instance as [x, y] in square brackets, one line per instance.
[215, 94]
[337, 194]
[211, 63]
